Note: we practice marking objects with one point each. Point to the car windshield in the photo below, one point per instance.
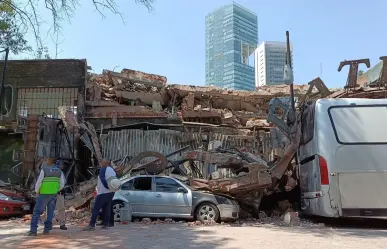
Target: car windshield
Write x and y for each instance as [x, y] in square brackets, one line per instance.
[3, 197]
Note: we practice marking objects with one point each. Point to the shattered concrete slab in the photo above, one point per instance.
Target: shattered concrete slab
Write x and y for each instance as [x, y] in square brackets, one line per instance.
[196, 104]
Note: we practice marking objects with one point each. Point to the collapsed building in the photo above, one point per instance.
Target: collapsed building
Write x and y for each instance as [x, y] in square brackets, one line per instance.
[236, 143]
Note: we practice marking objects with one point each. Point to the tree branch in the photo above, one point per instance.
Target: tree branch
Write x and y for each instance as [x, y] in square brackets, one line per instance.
[61, 10]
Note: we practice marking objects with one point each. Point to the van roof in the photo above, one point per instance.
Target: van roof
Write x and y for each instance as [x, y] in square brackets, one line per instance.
[348, 101]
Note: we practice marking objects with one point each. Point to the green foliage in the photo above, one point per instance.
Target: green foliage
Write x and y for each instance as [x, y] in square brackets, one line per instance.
[42, 53]
[19, 17]
[5, 7]
[11, 35]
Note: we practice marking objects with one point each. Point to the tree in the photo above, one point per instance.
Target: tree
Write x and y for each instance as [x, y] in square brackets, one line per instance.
[42, 53]
[11, 34]
[27, 14]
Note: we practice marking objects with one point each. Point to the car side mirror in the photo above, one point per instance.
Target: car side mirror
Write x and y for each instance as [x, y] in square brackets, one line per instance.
[181, 190]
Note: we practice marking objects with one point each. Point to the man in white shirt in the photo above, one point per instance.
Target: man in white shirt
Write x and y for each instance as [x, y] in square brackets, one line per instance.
[50, 181]
[104, 196]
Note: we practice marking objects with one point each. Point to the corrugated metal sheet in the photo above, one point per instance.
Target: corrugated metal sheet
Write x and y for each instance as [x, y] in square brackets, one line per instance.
[117, 144]
[131, 142]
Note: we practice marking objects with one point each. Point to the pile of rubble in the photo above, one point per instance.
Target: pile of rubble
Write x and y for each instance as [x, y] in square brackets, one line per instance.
[73, 217]
[287, 219]
[150, 95]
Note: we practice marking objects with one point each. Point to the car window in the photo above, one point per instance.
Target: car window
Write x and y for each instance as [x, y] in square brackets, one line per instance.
[142, 184]
[127, 185]
[166, 185]
[3, 197]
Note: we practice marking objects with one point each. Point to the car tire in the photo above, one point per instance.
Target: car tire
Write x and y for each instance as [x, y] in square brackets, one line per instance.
[116, 207]
[207, 211]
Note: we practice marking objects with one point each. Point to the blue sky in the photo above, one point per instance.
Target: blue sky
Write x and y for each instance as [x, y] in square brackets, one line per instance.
[170, 41]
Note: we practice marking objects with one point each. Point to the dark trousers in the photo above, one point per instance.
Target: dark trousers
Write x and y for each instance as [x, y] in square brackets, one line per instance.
[101, 217]
[43, 201]
[103, 201]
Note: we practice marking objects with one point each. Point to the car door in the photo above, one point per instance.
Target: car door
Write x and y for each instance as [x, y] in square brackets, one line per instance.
[168, 201]
[138, 192]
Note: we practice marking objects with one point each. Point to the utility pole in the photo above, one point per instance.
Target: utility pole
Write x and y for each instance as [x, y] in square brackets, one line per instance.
[288, 72]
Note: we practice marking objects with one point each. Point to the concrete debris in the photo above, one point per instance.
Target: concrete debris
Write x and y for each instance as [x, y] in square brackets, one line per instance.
[114, 92]
[149, 221]
[73, 217]
[285, 220]
[203, 223]
[292, 219]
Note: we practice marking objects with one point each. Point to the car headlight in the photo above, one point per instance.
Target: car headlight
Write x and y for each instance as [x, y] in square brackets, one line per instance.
[223, 200]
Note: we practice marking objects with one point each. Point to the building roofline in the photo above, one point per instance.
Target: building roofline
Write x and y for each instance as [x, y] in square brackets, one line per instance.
[232, 4]
[43, 60]
[274, 43]
[244, 8]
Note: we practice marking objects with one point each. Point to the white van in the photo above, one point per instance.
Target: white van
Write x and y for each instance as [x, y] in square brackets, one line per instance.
[343, 158]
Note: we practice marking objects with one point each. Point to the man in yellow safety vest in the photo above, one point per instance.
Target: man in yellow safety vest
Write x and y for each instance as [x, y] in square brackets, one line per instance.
[50, 181]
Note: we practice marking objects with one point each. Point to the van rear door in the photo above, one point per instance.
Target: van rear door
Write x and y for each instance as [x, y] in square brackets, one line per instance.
[361, 158]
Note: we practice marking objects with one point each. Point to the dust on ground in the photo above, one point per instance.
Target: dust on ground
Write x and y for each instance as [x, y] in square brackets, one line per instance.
[246, 234]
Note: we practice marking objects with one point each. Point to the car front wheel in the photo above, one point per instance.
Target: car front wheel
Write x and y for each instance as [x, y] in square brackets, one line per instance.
[116, 207]
[206, 212]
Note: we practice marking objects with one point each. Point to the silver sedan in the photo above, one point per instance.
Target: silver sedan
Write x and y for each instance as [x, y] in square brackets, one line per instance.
[167, 197]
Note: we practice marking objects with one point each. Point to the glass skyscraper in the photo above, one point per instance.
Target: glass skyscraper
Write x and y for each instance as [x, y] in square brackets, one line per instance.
[270, 58]
[231, 37]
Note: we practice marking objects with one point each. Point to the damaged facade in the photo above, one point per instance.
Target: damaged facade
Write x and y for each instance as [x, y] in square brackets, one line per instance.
[236, 143]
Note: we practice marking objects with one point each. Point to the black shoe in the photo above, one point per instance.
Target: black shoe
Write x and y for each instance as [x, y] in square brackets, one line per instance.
[46, 232]
[31, 234]
[63, 227]
[105, 227]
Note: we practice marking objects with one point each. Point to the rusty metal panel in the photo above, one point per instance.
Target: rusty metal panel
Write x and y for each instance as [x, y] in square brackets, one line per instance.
[45, 100]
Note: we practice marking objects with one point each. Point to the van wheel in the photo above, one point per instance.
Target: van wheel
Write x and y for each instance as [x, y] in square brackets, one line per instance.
[207, 211]
[116, 207]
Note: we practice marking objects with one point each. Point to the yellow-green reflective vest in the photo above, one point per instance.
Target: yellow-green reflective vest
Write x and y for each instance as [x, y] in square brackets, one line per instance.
[51, 181]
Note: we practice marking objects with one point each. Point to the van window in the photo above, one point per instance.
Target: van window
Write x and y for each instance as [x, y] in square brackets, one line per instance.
[359, 124]
[307, 122]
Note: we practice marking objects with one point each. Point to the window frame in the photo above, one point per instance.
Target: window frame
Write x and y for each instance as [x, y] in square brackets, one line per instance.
[307, 129]
[155, 184]
[141, 177]
[352, 106]
[132, 179]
